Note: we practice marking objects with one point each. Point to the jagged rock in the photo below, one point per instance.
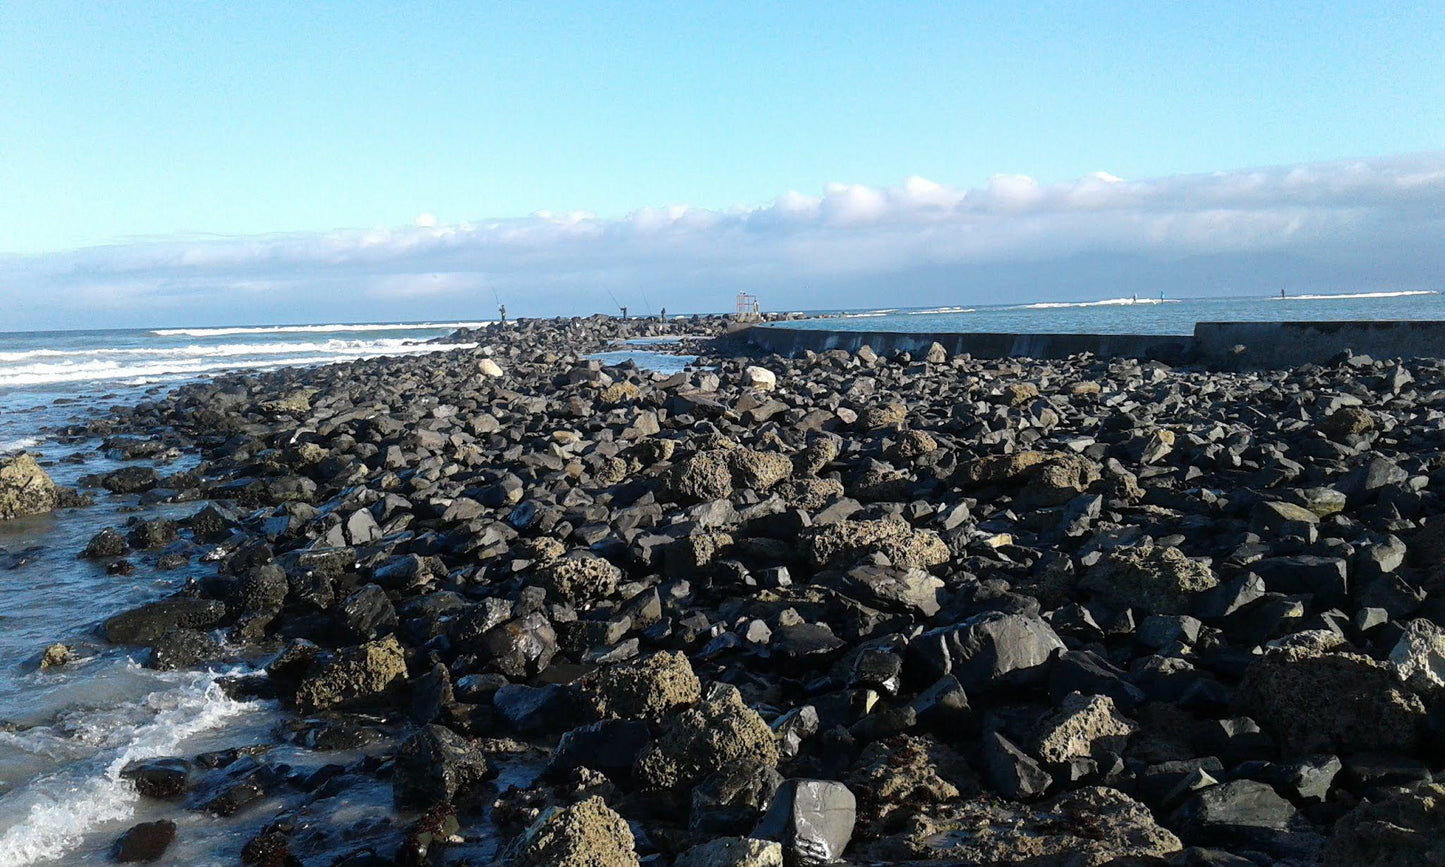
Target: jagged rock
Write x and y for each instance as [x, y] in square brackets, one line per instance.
[760, 378]
[1089, 827]
[580, 579]
[522, 647]
[25, 488]
[812, 819]
[182, 648]
[1156, 580]
[1330, 702]
[1419, 655]
[1240, 810]
[585, 834]
[847, 542]
[992, 650]
[697, 741]
[1080, 728]
[757, 470]
[107, 543]
[152, 620]
[731, 799]
[610, 746]
[733, 852]
[432, 765]
[355, 676]
[704, 476]
[1012, 772]
[147, 841]
[158, 778]
[1402, 829]
[651, 688]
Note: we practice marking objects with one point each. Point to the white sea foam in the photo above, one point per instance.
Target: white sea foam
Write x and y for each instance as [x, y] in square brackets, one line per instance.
[1323, 297]
[940, 310]
[55, 811]
[1106, 302]
[310, 329]
[16, 445]
[108, 364]
[196, 350]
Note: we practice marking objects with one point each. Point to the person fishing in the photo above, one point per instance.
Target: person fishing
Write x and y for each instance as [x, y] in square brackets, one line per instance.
[662, 316]
[502, 308]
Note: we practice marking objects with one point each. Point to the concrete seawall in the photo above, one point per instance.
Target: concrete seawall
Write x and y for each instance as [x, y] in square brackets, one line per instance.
[1265, 344]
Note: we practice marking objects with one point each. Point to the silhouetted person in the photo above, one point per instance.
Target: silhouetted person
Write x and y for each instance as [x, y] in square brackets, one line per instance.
[662, 317]
[624, 313]
[503, 309]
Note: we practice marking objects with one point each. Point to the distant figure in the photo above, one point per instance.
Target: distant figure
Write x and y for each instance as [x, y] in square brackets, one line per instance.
[1281, 293]
[624, 312]
[1161, 295]
[1136, 297]
[503, 310]
[662, 316]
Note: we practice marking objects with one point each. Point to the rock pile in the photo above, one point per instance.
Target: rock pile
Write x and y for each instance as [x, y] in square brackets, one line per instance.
[786, 611]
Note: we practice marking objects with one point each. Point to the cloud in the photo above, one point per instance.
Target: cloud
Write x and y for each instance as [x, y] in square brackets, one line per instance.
[1354, 224]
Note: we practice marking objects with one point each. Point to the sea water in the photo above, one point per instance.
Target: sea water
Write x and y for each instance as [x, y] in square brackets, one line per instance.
[1138, 315]
[65, 733]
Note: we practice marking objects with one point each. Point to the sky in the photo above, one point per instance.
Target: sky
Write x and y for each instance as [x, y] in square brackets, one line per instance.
[266, 162]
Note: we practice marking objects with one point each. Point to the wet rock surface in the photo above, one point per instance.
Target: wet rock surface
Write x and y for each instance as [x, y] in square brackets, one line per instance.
[793, 610]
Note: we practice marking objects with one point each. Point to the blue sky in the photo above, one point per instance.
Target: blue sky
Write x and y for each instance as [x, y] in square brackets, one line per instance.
[134, 125]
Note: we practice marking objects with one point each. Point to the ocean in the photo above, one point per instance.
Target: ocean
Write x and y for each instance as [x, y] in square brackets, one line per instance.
[66, 733]
[1138, 315]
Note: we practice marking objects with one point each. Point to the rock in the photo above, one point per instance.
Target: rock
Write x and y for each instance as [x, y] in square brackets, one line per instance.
[732, 798]
[908, 771]
[585, 834]
[106, 543]
[989, 651]
[147, 841]
[1347, 421]
[652, 688]
[733, 852]
[1155, 580]
[489, 368]
[936, 353]
[580, 580]
[697, 741]
[183, 648]
[432, 765]
[1234, 812]
[1329, 702]
[355, 677]
[759, 378]
[1419, 656]
[1090, 827]
[912, 590]
[1010, 771]
[704, 476]
[812, 819]
[158, 778]
[1082, 727]
[757, 470]
[130, 480]
[522, 647]
[25, 488]
[1404, 828]
[367, 614]
[846, 542]
[153, 620]
[610, 746]
[55, 656]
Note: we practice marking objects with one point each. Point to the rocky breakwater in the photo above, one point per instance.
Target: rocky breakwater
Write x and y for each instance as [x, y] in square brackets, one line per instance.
[837, 607]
